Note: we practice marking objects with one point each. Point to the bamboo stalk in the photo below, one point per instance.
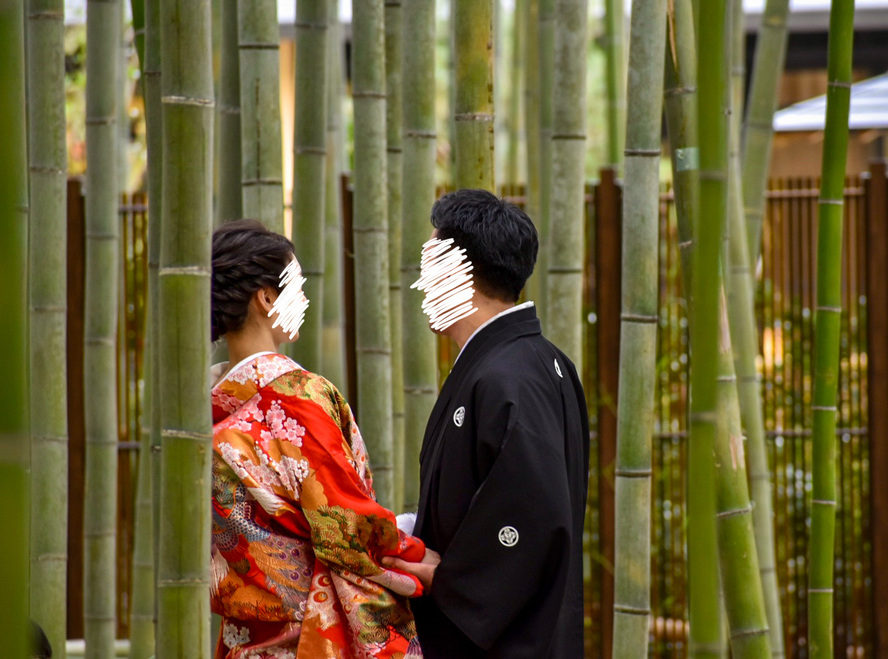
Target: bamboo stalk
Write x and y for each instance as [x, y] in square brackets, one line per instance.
[564, 296]
[513, 118]
[615, 71]
[707, 637]
[100, 305]
[770, 54]
[394, 178]
[473, 107]
[420, 370]
[183, 624]
[309, 170]
[531, 89]
[546, 54]
[638, 331]
[827, 329]
[333, 353]
[260, 102]
[147, 520]
[373, 332]
[229, 205]
[14, 440]
[47, 301]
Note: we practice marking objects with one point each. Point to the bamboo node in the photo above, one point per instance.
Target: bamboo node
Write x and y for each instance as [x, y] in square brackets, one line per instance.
[680, 91]
[423, 134]
[309, 25]
[248, 182]
[710, 175]
[642, 153]
[52, 558]
[369, 230]
[633, 473]
[844, 84]
[374, 351]
[173, 433]
[195, 270]
[743, 633]
[47, 16]
[45, 169]
[725, 514]
[828, 308]
[49, 308]
[420, 390]
[394, 149]
[704, 417]
[565, 271]
[229, 109]
[568, 136]
[726, 378]
[631, 610]
[761, 125]
[51, 439]
[639, 318]
[194, 101]
[474, 116]
[767, 570]
[258, 45]
[311, 150]
[823, 502]
[832, 202]
[369, 94]
[99, 341]
[100, 121]
[183, 582]
[824, 408]
[822, 591]
[151, 74]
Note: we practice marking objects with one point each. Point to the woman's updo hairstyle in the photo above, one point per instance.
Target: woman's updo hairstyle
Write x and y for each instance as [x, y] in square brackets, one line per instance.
[247, 257]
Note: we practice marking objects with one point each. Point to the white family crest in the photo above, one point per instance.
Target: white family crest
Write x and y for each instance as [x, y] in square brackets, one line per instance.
[558, 369]
[508, 536]
[459, 416]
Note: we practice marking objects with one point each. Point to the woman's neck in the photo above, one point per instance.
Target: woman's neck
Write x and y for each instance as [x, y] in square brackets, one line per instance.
[248, 341]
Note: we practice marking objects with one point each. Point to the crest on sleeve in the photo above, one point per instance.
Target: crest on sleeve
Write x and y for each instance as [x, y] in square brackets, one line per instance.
[508, 536]
[558, 369]
[459, 416]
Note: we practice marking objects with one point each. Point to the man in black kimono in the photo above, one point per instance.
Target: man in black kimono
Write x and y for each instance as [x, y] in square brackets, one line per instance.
[504, 462]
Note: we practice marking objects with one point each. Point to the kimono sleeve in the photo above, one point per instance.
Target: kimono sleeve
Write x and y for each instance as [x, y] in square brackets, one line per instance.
[323, 467]
[510, 543]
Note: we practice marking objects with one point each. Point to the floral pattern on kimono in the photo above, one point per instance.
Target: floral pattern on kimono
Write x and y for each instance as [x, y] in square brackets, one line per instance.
[297, 533]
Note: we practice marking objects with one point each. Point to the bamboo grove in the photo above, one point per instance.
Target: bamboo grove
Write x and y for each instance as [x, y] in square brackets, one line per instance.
[388, 123]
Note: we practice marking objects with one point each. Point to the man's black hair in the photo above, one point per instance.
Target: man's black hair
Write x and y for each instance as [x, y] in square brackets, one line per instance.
[499, 239]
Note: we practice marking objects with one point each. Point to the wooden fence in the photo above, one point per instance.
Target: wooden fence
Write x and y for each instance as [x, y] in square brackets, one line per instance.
[785, 311]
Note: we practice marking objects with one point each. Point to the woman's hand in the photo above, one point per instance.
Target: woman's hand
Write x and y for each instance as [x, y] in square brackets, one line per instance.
[423, 570]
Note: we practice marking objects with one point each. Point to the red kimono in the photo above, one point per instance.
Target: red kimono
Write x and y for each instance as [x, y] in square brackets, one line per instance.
[297, 533]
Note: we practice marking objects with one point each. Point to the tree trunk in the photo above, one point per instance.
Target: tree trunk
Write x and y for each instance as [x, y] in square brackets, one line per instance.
[614, 18]
[184, 281]
[144, 612]
[707, 637]
[712, 373]
[229, 203]
[309, 170]
[48, 300]
[333, 354]
[420, 386]
[373, 332]
[827, 329]
[394, 160]
[473, 109]
[14, 438]
[566, 211]
[100, 329]
[770, 53]
[260, 100]
[638, 331]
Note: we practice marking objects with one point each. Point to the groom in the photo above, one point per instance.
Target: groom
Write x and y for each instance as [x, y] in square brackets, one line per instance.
[504, 461]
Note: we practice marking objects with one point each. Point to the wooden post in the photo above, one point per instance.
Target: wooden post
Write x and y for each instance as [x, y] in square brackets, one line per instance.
[608, 241]
[76, 431]
[877, 378]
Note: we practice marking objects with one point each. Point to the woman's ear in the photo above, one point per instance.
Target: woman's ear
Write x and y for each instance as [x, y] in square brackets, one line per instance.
[265, 298]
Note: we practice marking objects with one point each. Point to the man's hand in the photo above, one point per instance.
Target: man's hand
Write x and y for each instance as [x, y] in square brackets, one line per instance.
[424, 570]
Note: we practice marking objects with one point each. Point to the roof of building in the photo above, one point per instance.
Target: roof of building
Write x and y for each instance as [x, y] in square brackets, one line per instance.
[869, 109]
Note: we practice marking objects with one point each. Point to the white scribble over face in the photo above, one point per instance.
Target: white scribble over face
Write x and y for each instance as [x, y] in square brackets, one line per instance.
[291, 304]
[445, 276]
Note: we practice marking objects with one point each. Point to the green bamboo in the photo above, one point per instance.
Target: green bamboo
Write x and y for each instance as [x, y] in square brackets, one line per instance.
[638, 331]
[333, 354]
[420, 387]
[144, 615]
[183, 624]
[513, 117]
[712, 358]
[14, 441]
[47, 301]
[473, 107]
[137, 11]
[309, 170]
[827, 329]
[531, 90]
[260, 103]
[394, 178]
[615, 72]
[707, 637]
[740, 287]
[564, 296]
[767, 68]
[373, 331]
[546, 73]
[100, 310]
[229, 201]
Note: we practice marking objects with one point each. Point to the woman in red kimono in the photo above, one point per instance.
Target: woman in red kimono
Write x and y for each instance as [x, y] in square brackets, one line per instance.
[298, 537]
